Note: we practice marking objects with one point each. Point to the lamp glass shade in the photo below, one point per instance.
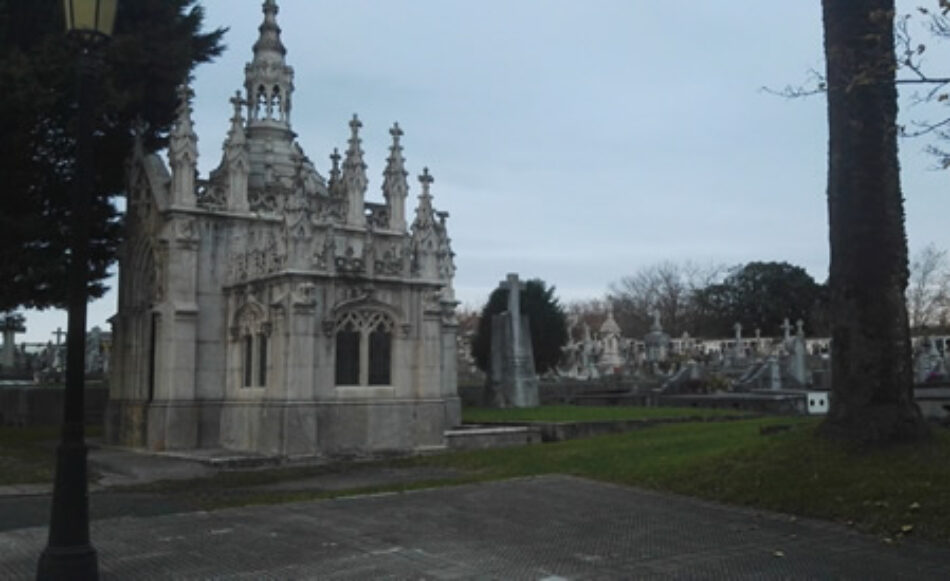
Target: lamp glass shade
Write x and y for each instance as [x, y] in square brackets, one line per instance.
[90, 16]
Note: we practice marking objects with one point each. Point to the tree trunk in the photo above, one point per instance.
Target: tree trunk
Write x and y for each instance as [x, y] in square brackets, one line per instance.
[872, 370]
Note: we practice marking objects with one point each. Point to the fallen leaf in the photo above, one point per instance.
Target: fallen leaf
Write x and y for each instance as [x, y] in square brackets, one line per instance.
[907, 528]
[779, 553]
[914, 506]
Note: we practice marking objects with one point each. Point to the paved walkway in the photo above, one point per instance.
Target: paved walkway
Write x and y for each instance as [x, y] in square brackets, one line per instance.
[552, 528]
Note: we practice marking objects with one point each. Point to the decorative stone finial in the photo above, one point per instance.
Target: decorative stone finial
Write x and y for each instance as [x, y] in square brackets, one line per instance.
[354, 178]
[396, 132]
[269, 39]
[426, 180]
[236, 134]
[335, 167]
[183, 141]
[355, 125]
[395, 186]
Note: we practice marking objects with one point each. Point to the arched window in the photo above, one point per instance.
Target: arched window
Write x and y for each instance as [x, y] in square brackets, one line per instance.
[248, 360]
[348, 353]
[250, 334]
[275, 104]
[364, 348]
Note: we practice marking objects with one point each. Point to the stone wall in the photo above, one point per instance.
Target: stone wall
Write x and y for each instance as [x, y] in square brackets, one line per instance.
[43, 406]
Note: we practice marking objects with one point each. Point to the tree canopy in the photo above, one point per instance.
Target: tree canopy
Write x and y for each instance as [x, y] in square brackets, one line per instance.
[758, 295]
[546, 319]
[703, 302]
[156, 45]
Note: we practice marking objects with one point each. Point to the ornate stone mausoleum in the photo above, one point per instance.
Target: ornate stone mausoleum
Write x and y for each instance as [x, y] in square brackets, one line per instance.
[269, 309]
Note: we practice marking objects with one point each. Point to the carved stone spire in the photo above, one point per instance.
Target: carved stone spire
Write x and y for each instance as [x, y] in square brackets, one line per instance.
[183, 152]
[269, 82]
[395, 186]
[354, 175]
[425, 238]
[236, 135]
[237, 158]
[334, 184]
[424, 212]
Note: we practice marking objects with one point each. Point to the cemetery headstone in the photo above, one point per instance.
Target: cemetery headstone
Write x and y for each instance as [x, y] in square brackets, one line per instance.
[513, 381]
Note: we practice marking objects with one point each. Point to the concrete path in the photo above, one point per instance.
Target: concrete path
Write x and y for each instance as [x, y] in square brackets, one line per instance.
[551, 528]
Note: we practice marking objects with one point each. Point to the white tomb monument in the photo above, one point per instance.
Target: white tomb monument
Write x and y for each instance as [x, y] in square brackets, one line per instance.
[610, 334]
[271, 310]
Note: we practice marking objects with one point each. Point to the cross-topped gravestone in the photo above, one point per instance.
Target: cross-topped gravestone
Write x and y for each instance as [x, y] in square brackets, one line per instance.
[514, 288]
[513, 382]
[787, 329]
[59, 335]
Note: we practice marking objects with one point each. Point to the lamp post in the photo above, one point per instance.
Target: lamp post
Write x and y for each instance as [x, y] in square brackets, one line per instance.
[69, 553]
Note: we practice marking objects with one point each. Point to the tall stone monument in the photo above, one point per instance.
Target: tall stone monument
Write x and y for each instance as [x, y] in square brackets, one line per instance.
[9, 327]
[513, 381]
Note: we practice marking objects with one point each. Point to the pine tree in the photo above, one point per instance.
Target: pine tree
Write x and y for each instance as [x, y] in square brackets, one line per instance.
[157, 43]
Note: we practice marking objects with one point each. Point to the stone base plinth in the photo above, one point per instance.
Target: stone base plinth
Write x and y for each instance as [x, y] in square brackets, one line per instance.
[284, 428]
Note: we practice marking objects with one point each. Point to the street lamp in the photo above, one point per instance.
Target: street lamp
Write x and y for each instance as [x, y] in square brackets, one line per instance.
[69, 553]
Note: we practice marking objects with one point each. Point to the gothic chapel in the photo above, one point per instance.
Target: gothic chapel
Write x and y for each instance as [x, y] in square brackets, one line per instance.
[268, 309]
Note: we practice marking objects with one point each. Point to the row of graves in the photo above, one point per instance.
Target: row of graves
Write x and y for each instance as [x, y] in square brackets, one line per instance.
[788, 373]
[34, 363]
[32, 375]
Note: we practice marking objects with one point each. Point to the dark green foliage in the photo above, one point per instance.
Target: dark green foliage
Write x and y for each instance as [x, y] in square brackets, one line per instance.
[157, 43]
[546, 318]
[12, 322]
[760, 295]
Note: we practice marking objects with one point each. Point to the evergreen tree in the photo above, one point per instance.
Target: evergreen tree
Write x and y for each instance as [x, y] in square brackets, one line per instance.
[157, 43]
[546, 319]
[759, 295]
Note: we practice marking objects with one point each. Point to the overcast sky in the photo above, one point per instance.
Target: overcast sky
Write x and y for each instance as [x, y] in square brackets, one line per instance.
[574, 141]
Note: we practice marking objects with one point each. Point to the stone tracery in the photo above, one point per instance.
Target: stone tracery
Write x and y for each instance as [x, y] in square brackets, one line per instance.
[339, 274]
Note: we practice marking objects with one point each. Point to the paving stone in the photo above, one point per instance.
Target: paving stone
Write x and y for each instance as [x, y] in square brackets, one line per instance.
[551, 527]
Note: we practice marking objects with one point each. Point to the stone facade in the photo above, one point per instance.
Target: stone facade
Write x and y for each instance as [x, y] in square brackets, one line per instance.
[269, 309]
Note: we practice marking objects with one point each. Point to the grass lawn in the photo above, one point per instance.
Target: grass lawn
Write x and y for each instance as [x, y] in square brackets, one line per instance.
[900, 491]
[27, 455]
[569, 413]
[893, 492]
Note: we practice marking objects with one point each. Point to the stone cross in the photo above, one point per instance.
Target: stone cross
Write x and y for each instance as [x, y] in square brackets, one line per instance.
[738, 328]
[396, 132]
[59, 335]
[237, 102]
[800, 328]
[787, 329]
[514, 288]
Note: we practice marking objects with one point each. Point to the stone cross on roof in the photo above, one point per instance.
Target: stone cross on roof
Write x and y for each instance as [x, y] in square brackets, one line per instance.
[396, 132]
[426, 180]
[237, 102]
[59, 334]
